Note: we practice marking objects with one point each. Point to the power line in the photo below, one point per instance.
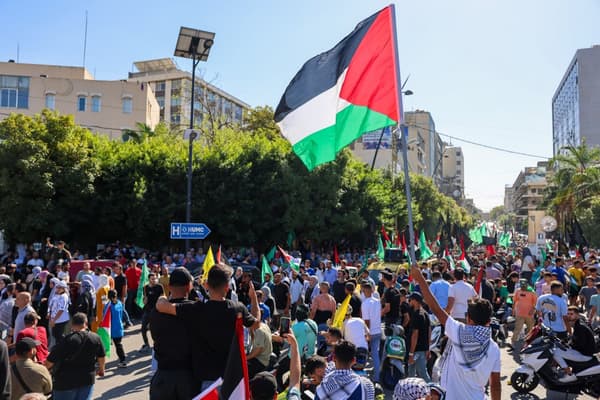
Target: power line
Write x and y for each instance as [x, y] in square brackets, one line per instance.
[487, 146]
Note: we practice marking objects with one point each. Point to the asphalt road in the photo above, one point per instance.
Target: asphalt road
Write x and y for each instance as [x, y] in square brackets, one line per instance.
[132, 383]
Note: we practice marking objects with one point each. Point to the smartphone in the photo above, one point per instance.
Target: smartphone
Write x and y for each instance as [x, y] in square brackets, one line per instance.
[284, 325]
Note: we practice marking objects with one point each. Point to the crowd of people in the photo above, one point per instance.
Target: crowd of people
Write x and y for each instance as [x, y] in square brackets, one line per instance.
[318, 327]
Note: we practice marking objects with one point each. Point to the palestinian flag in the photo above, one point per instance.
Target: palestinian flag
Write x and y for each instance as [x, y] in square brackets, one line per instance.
[211, 392]
[462, 260]
[289, 260]
[387, 243]
[339, 95]
[104, 329]
[265, 269]
[448, 257]
[235, 379]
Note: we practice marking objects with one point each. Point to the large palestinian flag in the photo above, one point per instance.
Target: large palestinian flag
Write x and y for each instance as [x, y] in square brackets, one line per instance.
[343, 93]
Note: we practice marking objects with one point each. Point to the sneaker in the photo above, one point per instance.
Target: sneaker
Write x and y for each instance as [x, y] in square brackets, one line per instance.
[145, 349]
[122, 364]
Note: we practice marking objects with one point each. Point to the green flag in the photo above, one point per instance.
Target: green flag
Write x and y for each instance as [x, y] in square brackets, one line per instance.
[380, 248]
[290, 239]
[425, 250]
[504, 240]
[139, 299]
[475, 236]
[266, 269]
[483, 229]
[271, 254]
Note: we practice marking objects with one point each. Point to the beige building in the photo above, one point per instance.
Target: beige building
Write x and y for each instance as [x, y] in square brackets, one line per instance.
[453, 172]
[528, 191]
[508, 199]
[107, 107]
[173, 86]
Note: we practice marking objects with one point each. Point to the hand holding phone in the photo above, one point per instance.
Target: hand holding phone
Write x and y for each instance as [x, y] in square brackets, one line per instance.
[284, 325]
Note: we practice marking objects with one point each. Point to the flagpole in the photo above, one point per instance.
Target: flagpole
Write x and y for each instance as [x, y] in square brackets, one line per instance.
[403, 129]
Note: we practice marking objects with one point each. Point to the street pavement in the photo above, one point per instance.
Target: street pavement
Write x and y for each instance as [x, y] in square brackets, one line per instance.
[133, 382]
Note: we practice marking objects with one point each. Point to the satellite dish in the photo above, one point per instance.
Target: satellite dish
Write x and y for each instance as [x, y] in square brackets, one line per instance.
[549, 224]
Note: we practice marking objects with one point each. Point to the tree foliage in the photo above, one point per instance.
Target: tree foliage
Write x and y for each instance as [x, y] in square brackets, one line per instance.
[248, 187]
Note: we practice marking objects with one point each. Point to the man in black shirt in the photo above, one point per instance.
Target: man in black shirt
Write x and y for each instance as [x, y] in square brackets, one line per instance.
[282, 295]
[418, 334]
[213, 324]
[583, 336]
[76, 355]
[390, 301]
[338, 289]
[121, 289]
[355, 301]
[173, 345]
[152, 291]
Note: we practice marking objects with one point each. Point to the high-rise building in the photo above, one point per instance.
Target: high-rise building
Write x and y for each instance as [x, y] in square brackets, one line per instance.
[576, 102]
[508, 199]
[107, 107]
[173, 86]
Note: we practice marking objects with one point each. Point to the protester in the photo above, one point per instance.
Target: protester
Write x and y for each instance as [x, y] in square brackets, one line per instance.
[5, 380]
[553, 309]
[342, 382]
[524, 303]
[418, 335]
[116, 326]
[152, 291]
[58, 310]
[27, 375]
[173, 345]
[458, 296]
[75, 358]
[37, 333]
[471, 358]
[371, 314]
[211, 346]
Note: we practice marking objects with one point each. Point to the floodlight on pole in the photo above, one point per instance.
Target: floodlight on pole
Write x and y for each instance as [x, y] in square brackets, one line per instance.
[194, 44]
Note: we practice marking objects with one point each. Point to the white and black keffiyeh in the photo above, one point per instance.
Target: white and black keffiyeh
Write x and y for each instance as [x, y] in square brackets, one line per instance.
[411, 389]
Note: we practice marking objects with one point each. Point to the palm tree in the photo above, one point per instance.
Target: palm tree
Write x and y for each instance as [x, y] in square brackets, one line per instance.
[576, 181]
[139, 135]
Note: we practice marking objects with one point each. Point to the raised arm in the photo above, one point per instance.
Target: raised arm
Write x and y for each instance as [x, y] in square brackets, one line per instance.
[438, 311]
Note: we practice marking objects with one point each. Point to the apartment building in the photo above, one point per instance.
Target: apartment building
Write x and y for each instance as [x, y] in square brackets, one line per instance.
[106, 107]
[576, 102]
[528, 190]
[173, 86]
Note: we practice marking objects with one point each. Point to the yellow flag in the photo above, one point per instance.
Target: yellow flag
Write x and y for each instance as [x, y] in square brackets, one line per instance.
[340, 314]
[209, 261]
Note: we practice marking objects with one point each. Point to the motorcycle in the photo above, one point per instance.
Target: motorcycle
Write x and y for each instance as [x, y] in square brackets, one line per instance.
[544, 360]
[392, 364]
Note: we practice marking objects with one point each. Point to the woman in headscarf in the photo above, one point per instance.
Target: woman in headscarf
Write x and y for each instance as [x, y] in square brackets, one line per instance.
[527, 265]
[34, 284]
[58, 310]
[85, 300]
[101, 300]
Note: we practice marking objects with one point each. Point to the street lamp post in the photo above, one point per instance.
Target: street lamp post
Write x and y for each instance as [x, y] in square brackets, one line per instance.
[196, 45]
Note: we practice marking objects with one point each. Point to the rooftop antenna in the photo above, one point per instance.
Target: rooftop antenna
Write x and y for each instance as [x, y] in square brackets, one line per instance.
[85, 37]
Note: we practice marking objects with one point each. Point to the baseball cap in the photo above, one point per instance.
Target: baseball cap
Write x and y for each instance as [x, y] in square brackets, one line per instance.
[416, 296]
[26, 344]
[180, 277]
[263, 386]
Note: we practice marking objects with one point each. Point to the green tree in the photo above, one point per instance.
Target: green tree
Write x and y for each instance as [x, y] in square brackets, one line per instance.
[47, 175]
[496, 213]
[576, 181]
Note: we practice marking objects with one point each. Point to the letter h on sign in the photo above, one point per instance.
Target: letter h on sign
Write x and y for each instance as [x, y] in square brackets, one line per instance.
[175, 230]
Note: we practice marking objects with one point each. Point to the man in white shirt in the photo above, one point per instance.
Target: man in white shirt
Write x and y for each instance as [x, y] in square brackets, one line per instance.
[35, 260]
[371, 314]
[458, 296]
[296, 292]
[355, 330]
[471, 358]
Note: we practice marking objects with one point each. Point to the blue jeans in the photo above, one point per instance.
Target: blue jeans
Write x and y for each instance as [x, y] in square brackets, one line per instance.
[375, 344]
[419, 367]
[80, 393]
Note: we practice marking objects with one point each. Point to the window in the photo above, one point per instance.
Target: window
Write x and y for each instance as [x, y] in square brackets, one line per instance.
[161, 101]
[14, 91]
[160, 86]
[127, 105]
[50, 101]
[176, 84]
[458, 162]
[176, 119]
[96, 102]
[80, 103]
[175, 101]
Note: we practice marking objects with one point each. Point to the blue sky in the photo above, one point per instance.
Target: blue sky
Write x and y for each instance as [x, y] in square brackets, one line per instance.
[486, 70]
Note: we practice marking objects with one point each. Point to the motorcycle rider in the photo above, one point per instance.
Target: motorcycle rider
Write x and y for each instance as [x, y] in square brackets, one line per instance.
[582, 339]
